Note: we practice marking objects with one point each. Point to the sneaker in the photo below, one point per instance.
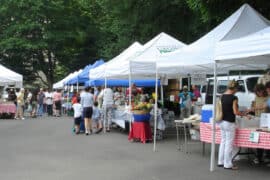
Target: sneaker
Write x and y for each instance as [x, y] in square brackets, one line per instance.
[22, 118]
[87, 134]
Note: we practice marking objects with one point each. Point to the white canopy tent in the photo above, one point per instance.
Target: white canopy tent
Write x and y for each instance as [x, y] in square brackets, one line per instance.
[60, 84]
[200, 55]
[254, 49]
[9, 77]
[160, 44]
[250, 50]
[101, 71]
[137, 60]
[142, 63]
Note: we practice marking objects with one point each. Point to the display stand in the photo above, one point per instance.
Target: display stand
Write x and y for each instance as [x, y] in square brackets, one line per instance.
[180, 125]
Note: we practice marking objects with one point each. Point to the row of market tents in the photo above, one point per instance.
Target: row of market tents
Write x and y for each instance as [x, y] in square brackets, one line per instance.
[244, 34]
[239, 42]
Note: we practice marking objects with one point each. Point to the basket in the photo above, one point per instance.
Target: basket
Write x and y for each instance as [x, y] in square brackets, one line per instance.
[140, 112]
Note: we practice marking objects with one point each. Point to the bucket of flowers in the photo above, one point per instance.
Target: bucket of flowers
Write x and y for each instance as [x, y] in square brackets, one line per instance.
[141, 112]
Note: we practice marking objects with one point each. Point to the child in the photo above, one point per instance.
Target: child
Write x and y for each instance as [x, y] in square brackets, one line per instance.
[96, 116]
[77, 107]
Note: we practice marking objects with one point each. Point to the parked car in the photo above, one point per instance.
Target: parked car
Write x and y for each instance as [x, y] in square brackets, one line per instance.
[245, 92]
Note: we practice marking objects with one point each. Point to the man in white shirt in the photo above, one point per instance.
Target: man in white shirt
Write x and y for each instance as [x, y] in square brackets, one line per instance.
[49, 102]
[107, 107]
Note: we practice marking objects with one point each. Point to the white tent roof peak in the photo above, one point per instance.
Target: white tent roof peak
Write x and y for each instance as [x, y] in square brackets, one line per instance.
[247, 15]
[131, 49]
[242, 22]
[164, 43]
[100, 71]
[61, 84]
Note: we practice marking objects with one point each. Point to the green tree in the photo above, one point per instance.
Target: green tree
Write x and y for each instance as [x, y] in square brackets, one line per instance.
[38, 35]
[56, 37]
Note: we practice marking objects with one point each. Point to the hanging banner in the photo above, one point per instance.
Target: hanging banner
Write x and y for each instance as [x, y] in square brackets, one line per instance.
[198, 79]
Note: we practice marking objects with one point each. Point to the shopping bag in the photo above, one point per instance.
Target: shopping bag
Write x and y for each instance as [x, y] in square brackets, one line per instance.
[29, 108]
[219, 113]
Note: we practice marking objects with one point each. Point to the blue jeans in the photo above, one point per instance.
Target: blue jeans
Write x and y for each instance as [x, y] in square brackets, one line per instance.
[40, 110]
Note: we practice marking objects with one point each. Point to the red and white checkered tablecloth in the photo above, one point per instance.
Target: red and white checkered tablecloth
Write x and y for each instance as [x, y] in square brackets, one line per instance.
[241, 137]
[7, 108]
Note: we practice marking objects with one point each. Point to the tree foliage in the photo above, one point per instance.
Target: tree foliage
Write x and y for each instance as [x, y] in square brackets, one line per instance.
[56, 37]
[38, 35]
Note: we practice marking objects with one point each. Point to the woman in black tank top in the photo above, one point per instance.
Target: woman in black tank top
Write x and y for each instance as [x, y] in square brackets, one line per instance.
[230, 109]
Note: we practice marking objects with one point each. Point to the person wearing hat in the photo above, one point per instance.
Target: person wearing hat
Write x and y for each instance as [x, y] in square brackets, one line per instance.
[185, 102]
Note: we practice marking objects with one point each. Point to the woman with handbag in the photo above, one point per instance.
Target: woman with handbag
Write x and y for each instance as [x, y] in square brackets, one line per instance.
[229, 110]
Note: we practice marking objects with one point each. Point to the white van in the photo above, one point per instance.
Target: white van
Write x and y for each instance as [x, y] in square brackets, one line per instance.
[245, 92]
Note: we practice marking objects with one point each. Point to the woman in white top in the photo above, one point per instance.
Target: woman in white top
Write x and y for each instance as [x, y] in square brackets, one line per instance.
[87, 101]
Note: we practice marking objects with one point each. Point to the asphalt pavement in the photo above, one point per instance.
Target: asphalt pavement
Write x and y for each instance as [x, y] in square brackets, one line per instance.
[46, 149]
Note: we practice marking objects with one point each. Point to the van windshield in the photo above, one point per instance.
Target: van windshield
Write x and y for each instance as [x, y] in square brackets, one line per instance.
[251, 82]
[222, 86]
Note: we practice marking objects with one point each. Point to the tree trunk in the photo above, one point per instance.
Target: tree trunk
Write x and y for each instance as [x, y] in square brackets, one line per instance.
[50, 76]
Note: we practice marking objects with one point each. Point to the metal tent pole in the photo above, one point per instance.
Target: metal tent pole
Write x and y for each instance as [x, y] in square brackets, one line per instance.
[155, 111]
[213, 145]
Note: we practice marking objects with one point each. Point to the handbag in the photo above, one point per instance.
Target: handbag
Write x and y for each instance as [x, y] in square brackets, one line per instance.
[219, 113]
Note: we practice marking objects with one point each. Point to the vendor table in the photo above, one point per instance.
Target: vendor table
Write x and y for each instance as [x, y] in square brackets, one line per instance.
[7, 108]
[241, 136]
[180, 125]
[140, 131]
[120, 117]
